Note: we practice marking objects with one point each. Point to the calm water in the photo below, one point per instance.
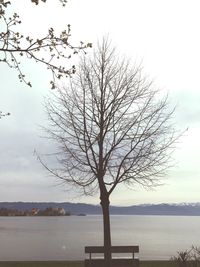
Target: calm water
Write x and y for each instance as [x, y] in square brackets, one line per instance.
[64, 238]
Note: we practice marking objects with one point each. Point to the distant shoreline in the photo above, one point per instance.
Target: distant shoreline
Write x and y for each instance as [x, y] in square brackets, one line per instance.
[181, 209]
[42, 216]
[77, 215]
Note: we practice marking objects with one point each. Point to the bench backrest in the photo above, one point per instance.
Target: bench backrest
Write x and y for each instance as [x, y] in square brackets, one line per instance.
[114, 249]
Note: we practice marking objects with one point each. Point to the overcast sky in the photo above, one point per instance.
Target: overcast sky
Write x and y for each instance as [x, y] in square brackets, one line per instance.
[161, 35]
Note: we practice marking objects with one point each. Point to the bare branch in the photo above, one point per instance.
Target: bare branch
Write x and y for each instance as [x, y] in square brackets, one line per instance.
[48, 50]
[3, 114]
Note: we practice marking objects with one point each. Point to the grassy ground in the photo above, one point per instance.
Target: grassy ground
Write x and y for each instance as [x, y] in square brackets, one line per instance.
[77, 264]
[158, 264]
[41, 264]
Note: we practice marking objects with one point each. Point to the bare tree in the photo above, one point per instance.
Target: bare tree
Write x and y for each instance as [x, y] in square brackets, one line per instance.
[111, 130]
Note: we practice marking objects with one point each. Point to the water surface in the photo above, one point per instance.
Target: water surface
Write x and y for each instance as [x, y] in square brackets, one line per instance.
[64, 238]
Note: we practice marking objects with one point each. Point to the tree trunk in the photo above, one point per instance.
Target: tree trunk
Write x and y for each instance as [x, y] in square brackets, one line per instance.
[106, 228]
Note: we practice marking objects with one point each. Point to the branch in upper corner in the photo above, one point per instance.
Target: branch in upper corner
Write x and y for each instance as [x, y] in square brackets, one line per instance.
[49, 50]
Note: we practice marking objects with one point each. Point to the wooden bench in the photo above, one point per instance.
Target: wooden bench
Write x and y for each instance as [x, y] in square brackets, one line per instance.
[118, 262]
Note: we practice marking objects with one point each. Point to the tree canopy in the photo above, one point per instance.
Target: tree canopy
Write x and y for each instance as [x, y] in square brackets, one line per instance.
[109, 119]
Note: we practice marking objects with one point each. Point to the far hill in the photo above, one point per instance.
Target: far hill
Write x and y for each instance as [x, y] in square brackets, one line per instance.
[187, 209]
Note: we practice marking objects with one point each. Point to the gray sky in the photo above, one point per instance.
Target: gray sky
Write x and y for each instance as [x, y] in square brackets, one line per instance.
[163, 35]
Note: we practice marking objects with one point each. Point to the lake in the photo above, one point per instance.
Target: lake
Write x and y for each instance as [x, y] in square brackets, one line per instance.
[64, 238]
